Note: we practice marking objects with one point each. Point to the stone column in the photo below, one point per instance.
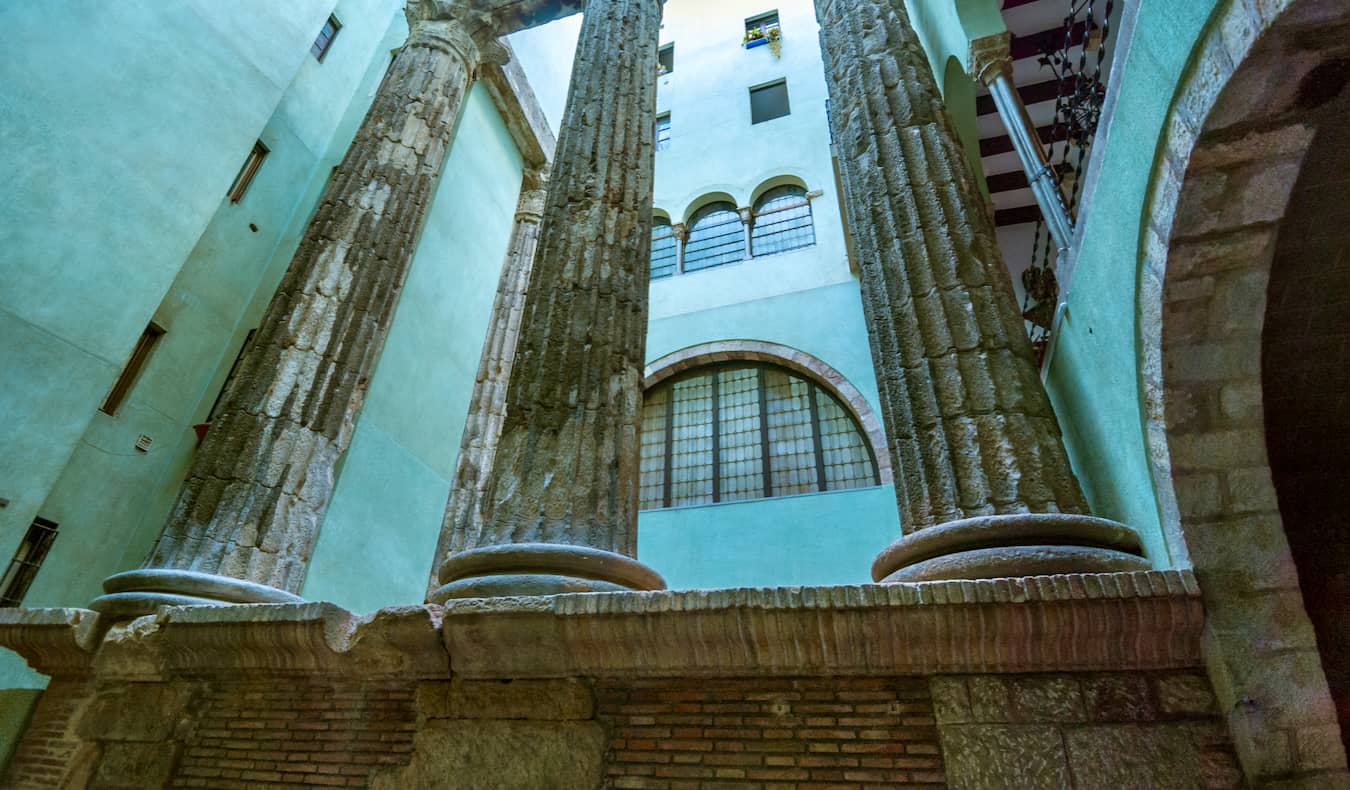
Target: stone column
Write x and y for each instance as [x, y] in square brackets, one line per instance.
[249, 512]
[483, 426]
[991, 65]
[747, 215]
[985, 489]
[559, 510]
[681, 235]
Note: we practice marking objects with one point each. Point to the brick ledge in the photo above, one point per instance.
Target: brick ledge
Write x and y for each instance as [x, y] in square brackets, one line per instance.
[1122, 621]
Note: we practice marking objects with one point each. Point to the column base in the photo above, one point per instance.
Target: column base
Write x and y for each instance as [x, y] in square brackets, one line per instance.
[1019, 544]
[141, 592]
[540, 569]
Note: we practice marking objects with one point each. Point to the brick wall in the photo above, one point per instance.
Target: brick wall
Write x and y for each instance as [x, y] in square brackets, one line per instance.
[299, 733]
[49, 746]
[770, 734]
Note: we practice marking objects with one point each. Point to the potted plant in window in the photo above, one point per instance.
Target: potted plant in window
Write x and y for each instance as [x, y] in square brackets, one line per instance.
[758, 37]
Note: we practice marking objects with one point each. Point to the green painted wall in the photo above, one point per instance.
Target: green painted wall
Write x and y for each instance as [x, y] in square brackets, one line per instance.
[112, 172]
[378, 538]
[1094, 377]
[808, 539]
[109, 498]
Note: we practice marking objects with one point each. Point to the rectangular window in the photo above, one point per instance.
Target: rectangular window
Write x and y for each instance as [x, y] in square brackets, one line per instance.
[663, 131]
[27, 559]
[769, 101]
[122, 386]
[325, 40]
[758, 27]
[665, 59]
[247, 172]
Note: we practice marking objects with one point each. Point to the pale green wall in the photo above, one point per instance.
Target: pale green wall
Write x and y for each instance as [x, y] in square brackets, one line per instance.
[112, 171]
[826, 538]
[809, 539]
[1094, 377]
[111, 499]
[378, 538]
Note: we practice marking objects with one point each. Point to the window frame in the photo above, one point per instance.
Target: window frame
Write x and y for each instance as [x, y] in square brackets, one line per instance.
[658, 143]
[131, 371]
[321, 51]
[713, 369]
[657, 224]
[781, 82]
[665, 52]
[757, 21]
[756, 213]
[244, 178]
[692, 228]
[28, 556]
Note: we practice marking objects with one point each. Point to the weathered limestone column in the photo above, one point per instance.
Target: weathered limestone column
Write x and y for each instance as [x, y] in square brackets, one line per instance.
[991, 65]
[247, 517]
[559, 511]
[986, 489]
[483, 426]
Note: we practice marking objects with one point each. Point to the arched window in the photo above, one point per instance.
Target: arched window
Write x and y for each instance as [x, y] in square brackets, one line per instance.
[747, 430]
[782, 221]
[663, 248]
[716, 236]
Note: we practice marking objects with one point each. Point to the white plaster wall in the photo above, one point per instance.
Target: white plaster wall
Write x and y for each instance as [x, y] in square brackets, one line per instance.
[715, 148]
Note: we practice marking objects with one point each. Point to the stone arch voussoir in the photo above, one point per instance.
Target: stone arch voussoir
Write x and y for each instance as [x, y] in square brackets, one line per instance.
[1233, 148]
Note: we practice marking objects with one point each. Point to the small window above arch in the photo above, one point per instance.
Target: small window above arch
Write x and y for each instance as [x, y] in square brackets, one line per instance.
[716, 237]
[664, 248]
[782, 221]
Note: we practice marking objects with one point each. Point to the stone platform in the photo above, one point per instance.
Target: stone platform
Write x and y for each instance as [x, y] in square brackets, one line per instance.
[1041, 681]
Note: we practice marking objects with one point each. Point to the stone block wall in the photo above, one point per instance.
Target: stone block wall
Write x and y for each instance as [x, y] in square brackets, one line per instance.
[807, 734]
[1084, 731]
[1150, 729]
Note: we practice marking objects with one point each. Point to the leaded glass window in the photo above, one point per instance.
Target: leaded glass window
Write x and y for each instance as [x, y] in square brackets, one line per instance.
[664, 248]
[745, 430]
[782, 221]
[716, 236]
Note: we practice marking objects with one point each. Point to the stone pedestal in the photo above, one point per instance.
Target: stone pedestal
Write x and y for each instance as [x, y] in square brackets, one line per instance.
[984, 489]
[248, 515]
[559, 510]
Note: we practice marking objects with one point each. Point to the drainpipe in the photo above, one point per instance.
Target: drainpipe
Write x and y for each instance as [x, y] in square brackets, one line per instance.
[991, 64]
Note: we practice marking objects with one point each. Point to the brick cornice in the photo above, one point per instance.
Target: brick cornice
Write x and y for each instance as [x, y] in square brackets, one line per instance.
[1143, 620]
[1123, 621]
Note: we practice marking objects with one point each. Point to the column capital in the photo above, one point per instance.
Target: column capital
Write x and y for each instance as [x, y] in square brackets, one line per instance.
[533, 193]
[680, 231]
[747, 214]
[990, 56]
[469, 32]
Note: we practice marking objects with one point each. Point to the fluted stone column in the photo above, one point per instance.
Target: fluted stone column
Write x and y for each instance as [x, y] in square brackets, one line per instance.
[249, 512]
[985, 488]
[483, 426]
[559, 511]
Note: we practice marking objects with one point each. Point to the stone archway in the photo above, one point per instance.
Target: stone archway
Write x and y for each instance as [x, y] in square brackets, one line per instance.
[1238, 132]
[792, 359]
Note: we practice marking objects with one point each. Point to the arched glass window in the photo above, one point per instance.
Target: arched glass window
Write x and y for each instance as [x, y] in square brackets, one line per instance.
[716, 236]
[746, 430]
[782, 221]
[663, 248]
